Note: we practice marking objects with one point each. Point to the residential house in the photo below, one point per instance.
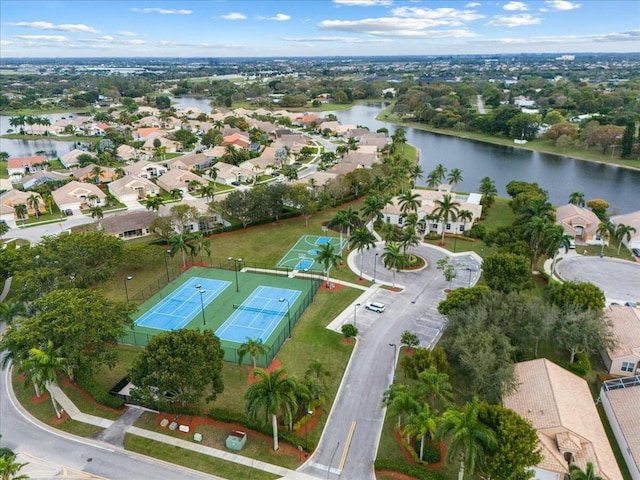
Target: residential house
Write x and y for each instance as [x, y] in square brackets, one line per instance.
[145, 169]
[428, 204]
[126, 152]
[623, 358]
[179, 179]
[77, 195]
[228, 173]
[146, 132]
[131, 188]
[561, 409]
[632, 220]
[150, 122]
[149, 147]
[37, 129]
[330, 125]
[237, 139]
[343, 130]
[191, 161]
[205, 219]
[579, 222]
[380, 140]
[70, 159]
[620, 399]
[215, 152]
[41, 177]
[87, 173]
[294, 141]
[19, 166]
[360, 159]
[342, 168]
[307, 120]
[11, 198]
[317, 179]
[127, 225]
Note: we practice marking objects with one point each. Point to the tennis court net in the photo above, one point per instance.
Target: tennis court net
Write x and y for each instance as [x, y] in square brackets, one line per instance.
[259, 310]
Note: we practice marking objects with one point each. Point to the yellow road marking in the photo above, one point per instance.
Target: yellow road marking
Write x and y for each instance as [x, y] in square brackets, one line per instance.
[346, 446]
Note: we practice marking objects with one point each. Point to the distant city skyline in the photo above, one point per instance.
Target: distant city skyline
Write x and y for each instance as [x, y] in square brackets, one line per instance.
[293, 28]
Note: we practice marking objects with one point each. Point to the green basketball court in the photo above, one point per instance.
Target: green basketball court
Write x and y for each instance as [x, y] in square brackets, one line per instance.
[302, 256]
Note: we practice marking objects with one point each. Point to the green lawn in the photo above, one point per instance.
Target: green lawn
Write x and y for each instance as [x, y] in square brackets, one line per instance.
[194, 460]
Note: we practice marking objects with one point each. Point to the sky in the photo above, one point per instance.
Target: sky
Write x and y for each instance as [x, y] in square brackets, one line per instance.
[288, 28]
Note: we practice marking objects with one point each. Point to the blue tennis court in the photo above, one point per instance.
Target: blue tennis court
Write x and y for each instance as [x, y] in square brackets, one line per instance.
[178, 308]
[259, 315]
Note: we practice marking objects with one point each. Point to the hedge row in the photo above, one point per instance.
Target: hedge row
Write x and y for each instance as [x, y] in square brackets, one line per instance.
[406, 468]
[99, 395]
[283, 434]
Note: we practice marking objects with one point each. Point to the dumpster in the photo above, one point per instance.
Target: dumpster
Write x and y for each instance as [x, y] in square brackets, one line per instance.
[236, 440]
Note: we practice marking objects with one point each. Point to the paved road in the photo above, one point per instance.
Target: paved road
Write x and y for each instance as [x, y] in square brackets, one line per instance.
[54, 454]
[357, 411]
[618, 279]
[481, 109]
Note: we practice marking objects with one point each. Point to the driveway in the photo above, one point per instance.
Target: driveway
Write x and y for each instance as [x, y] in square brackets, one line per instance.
[618, 279]
[349, 443]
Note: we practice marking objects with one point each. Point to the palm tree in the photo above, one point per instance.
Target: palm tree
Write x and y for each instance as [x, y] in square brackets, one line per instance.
[11, 310]
[399, 402]
[488, 190]
[21, 211]
[623, 232]
[468, 437]
[408, 239]
[605, 231]
[455, 176]
[153, 203]
[207, 191]
[33, 201]
[423, 423]
[176, 194]
[389, 232]
[360, 239]
[409, 202]
[48, 201]
[538, 207]
[96, 173]
[446, 211]
[435, 387]
[416, 172]
[576, 473]
[96, 212]
[317, 371]
[340, 220]
[9, 468]
[577, 198]
[440, 172]
[465, 216]
[272, 395]
[373, 205]
[92, 199]
[42, 367]
[180, 242]
[328, 257]
[254, 347]
[393, 259]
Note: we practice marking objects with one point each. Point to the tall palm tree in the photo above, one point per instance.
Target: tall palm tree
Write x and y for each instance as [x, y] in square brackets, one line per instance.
[48, 201]
[96, 173]
[10, 468]
[423, 423]
[207, 191]
[10, 310]
[317, 371]
[33, 201]
[21, 210]
[455, 176]
[153, 203]
[399, 402]
[409, 202]
[371, 209]
[605, 231]
[176, 194]
[96, 212]
[488, 190]
[577, 198]
[328, 257]
[394, 259]
[254, 347]
[435, 387]
[432, 179]
[576, 473]
[272, 395]
[360, 239]
[623, 232]
[416, 172]
[468, 437]
[408, 239]
[389, 232]
[446, 211]
[340, 220]
[538, 207]
[42, 367]
[440, 172]
[181, 242]
[465, 216]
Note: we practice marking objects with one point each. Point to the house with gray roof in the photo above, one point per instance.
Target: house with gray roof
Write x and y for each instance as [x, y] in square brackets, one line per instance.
[131, 188]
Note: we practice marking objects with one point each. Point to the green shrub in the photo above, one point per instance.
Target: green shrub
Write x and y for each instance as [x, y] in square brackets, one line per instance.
[6, 452]
[581, 366]
[349, 330]
[99, 395]
[479, 230]
[406, 468]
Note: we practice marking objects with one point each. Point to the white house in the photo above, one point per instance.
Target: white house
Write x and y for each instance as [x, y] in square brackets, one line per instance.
[131, 188]
[623, 358]
[76, 195]
[145, 169]
[633, 220]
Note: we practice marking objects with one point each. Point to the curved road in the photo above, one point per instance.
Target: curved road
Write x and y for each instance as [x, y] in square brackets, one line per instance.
[55, 454]
[350, 439]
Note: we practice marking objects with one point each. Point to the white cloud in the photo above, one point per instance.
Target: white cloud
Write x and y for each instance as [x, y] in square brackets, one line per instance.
[446, 16]
[513, 21]
[306, 40]
[46, 38]
[395, 27]
[6, 42]
[516, 6]
[234, 16]
[125, 33]
[65, 27]
[162, 11]
[472, 5]
[562, 5]
[628, 36]
[281, 17]
[363, 3]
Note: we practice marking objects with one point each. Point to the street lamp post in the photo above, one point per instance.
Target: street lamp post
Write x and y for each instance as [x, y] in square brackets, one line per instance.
[470, 270]
[288, 312]
[166, 265]
[126, 290]
[201, 291]
[393, 364]
[375, 264]
[237, 263]
[355, 311]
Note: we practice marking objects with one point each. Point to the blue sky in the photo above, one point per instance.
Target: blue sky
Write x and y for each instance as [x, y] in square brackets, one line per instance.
[265, 28]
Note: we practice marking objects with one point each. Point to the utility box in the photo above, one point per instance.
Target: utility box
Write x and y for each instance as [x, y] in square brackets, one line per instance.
[236, 440]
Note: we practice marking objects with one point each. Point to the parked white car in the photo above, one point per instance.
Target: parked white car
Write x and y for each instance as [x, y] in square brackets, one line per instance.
[375, 307]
